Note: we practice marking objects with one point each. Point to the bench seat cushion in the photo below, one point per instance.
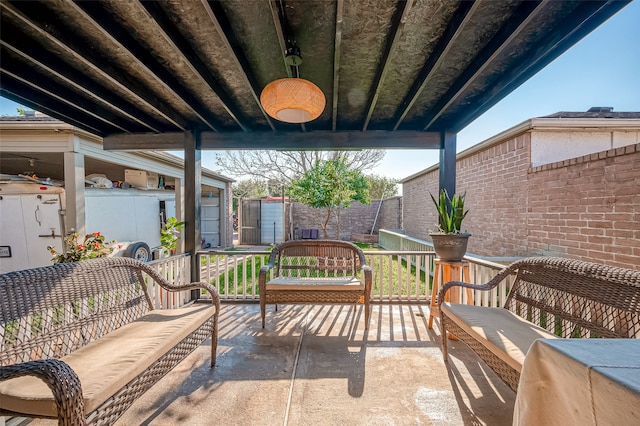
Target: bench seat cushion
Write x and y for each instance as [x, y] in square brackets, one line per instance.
[314, 284]
[505, 334]
[106, 365]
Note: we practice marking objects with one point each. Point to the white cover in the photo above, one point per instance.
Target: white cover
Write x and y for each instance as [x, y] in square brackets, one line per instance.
[568, 382]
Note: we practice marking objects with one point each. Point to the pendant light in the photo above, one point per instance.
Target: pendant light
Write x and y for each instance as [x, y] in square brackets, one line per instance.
[294, 99]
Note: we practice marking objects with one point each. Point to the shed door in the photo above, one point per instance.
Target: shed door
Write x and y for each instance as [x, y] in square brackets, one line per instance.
[271, 223]
[250, 222]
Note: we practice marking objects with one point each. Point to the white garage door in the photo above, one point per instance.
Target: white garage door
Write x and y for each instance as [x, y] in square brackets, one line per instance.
[210, 220]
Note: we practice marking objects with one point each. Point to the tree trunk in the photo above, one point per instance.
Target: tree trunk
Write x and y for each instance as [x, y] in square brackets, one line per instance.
[326, 222]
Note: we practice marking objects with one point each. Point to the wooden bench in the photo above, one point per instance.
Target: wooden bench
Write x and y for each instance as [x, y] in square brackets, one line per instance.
[550, 298]
[315, 272]
[81, 341]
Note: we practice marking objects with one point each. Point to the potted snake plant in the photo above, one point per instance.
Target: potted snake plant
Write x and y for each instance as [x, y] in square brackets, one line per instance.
[449, 242]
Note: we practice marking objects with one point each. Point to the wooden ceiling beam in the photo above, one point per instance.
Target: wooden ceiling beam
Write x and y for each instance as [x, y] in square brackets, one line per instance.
[84, 56]
[30, 78]
[585, 18]
[28, 96]
[94, 14]
[397, 24]
[336, 63]
[509, 31]
[226, 33]
[192, 59]
[464, 12]
[52, 65]
[291, 141]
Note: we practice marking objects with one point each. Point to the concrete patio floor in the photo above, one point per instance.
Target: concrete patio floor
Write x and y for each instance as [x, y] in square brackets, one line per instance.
[316, 365]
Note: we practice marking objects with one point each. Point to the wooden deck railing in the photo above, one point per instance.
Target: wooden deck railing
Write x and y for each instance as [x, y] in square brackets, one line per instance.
[402, 273]
[175, 269]
[398, 276]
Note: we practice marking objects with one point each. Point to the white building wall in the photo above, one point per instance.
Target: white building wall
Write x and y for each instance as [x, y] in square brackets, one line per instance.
[550, 146]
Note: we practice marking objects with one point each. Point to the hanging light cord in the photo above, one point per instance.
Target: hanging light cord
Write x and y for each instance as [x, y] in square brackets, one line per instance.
[291, 48]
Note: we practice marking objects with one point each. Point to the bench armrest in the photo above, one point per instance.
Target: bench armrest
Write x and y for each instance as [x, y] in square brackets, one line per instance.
[368, 278]
[483, 287]
[262, 276]
[63, 382]
[162, 281]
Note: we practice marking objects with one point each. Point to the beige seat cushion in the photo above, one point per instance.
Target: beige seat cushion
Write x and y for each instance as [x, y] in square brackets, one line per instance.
[107, 364]
[505, 334]
[314, 284]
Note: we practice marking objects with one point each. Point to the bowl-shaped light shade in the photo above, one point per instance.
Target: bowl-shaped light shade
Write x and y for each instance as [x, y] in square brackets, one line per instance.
[292, 100]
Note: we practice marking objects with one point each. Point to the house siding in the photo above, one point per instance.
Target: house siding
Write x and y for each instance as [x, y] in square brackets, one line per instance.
[586, 207]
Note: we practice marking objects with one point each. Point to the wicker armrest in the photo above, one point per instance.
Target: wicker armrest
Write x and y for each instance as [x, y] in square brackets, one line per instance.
[484, 287]
[63, 382]
[215, 300]
[368, 278]
[264, 270]
[162, 281]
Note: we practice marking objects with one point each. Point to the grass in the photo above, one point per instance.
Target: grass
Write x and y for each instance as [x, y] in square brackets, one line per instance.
[389, 276]
[243, 277]
[397, 277]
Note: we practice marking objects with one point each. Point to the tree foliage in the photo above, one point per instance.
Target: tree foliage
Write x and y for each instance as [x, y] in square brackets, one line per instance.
[330, 184]
[285, 166]
[248, 188]
[381, 187]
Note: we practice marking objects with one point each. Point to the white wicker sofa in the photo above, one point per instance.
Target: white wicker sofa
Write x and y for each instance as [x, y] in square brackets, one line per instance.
[80, 341]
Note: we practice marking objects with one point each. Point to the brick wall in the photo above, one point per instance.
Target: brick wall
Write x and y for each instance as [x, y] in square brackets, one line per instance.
[418, 213]
[390, 216]
[495, 181]
[357, 219]
[585, 208]
[588, 208]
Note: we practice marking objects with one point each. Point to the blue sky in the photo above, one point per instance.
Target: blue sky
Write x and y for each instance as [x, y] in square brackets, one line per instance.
[603, 69]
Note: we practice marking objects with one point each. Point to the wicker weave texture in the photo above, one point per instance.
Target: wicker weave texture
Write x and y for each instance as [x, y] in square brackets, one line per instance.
[47, 313]
[569, 298]
[113, 408]
[64, 385]
[50, 312]
[313, 297]
[315, 259]
[508, 375]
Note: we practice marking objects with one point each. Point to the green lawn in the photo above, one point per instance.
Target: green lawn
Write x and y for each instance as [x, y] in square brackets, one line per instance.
[390, 276]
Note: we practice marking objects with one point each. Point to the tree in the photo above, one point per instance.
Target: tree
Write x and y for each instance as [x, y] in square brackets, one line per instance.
[381, 187]
[285, 166]
[248, 188]
[330, 184]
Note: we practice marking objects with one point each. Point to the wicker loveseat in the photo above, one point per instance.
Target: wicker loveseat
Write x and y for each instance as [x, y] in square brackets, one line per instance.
[550, 298]
[315, 272]
[80, 341]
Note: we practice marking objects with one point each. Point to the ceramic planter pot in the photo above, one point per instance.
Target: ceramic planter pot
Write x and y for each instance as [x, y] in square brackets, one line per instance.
[450, 247]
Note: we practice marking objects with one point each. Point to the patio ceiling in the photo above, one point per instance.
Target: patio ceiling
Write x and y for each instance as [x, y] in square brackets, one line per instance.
[396, 74]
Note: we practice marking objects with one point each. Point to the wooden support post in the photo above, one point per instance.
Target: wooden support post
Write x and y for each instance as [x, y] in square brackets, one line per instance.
[447, 167]
[192, 198]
